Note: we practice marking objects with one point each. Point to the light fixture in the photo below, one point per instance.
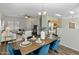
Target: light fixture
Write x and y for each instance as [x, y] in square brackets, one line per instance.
[59, 15]
[44, 12]
[39, 13]
[26, 17]
[71, 12]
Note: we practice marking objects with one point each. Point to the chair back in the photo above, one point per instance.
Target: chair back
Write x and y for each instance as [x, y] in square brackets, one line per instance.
[10, 50]
[55, 45]
[44, 50]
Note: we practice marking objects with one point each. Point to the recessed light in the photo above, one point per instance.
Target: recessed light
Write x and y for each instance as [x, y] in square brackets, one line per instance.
[71, 12]
[58, 15]
[39, 13]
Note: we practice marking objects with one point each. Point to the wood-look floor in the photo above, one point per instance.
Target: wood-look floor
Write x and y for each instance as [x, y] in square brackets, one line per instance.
[64, 51]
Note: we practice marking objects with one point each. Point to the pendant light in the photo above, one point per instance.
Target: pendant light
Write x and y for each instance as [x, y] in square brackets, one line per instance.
[43, 11]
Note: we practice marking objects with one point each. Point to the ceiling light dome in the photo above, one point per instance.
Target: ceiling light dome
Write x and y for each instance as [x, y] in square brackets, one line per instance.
[44, 12]
[71, 12]
[39, 13]
[58, 15]
[26, 17]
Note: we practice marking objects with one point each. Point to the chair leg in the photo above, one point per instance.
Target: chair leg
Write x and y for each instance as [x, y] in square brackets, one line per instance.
[56, 51]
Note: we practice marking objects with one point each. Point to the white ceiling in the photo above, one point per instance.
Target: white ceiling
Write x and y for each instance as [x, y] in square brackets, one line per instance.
[32, 9]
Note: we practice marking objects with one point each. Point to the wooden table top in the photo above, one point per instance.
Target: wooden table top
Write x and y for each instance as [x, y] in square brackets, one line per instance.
[35, 46]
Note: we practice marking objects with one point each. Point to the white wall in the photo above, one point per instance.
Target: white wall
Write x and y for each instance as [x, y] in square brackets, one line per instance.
[71, 36]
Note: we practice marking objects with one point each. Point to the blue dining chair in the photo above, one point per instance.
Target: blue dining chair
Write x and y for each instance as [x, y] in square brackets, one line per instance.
[55, 45]
[10, 50]
[43, 50]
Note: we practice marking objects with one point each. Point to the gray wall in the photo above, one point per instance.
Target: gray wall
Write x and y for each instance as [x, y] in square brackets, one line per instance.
[24, 23]
[71, 36]
[27, 24]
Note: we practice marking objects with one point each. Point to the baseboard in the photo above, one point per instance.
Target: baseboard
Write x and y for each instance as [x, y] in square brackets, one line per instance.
[74, 50]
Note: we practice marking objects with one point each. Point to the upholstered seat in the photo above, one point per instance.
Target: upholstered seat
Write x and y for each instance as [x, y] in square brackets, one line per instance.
[12, 51]
[43, 50]
[55, 45]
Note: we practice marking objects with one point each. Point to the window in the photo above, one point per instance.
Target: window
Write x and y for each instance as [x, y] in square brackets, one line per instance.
[13, 25]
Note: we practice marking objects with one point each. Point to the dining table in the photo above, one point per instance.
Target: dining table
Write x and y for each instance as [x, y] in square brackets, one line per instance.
[33, 46]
